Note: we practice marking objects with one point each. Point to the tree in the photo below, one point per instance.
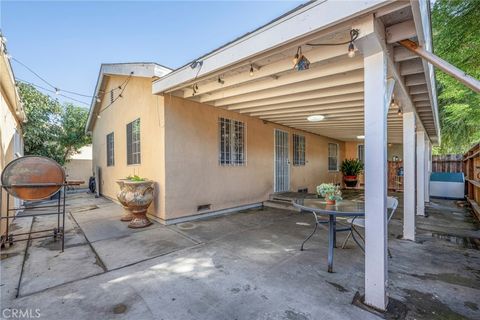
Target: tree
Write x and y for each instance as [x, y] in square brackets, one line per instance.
[72, 135]
[456, 39]
[52, 130]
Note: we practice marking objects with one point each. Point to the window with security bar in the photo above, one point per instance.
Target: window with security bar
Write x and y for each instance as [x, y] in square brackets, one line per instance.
[231, 142]
[133, 142]
[110, 150]
[332, 157]
[298, 150]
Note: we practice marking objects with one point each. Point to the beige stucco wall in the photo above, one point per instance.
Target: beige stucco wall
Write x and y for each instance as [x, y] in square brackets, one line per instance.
[79, 169]
[137, 102]
[194, 176]
[394, 149]
[179, 151]
[9, 127]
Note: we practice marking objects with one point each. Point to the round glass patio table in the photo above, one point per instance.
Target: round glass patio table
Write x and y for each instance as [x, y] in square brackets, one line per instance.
[319, 207]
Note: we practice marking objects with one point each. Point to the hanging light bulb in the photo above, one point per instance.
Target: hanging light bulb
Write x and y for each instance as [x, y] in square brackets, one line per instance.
[220, 80]
[57, 91]
[251, 70]
[351, 47]
[351, 50]
[98, 100]
[399, 112]
[99, 116]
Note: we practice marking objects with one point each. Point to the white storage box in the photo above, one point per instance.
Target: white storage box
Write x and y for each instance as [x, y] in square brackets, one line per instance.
[447, 185]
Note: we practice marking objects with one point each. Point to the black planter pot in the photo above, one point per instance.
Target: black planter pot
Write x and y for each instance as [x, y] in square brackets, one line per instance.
[350, 182]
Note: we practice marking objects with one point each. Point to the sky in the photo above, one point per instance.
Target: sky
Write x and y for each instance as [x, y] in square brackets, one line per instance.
[66, 41]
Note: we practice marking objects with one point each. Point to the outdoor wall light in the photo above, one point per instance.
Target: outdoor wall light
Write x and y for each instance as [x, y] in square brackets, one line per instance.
[361, 137]
[315, 118]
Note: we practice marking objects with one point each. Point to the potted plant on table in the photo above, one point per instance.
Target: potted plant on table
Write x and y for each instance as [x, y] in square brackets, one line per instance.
[138, 195]
[330, 191]
[351, 168]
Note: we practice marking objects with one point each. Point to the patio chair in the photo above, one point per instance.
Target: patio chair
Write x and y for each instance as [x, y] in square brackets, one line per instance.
[392, 204]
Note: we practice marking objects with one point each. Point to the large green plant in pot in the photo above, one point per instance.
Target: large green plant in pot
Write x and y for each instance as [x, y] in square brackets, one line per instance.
[351, 168]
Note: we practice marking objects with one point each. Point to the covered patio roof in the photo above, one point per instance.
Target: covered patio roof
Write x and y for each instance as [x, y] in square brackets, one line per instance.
[255, 75]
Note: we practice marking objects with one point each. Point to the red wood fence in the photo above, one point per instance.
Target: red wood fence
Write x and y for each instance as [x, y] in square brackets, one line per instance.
[447, 163]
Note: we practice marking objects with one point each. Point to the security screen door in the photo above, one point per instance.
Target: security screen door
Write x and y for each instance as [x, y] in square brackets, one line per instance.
[282, 163]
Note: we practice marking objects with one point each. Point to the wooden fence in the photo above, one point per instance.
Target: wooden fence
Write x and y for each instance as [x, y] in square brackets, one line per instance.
[447, 163]
[472, 173]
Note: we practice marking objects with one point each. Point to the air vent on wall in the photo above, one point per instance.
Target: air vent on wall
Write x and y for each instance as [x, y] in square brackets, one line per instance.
[203, 207]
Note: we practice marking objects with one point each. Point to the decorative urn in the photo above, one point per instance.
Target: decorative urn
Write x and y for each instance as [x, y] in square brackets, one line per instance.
[127, 215]
[138, 197]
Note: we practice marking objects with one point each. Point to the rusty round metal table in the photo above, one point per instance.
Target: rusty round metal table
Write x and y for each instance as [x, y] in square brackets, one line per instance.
[343, 208]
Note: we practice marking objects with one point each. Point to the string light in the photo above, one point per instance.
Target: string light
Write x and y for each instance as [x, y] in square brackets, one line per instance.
[55, 88]
[251, 70]
[51, 91]
[220, 80]
[351, 50]
[195, 89]
[354, 33]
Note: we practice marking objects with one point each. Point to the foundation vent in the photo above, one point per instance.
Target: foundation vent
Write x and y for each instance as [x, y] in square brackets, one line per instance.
[204, 207]
[303, 190]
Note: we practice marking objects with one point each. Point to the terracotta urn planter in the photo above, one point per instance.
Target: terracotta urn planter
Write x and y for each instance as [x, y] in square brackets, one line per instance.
[127, 215]
[138, 197]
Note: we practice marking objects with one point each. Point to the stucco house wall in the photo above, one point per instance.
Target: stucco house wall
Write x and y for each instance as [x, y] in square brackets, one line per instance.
[11, 118]
[79, 166]
[194, 176]
[137, 102]
[179, 151]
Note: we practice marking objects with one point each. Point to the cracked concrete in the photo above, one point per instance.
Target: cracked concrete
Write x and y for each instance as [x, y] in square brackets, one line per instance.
[241, 266]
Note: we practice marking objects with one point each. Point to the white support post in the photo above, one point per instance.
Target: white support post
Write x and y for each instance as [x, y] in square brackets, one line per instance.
[428, 169]
[409, 176]
[420, 155]
[376, 107]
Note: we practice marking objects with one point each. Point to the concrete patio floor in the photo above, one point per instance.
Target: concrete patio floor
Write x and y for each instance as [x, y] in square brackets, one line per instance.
[245, 265]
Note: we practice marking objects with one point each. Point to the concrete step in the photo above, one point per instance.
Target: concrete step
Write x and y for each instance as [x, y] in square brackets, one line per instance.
[280, 204]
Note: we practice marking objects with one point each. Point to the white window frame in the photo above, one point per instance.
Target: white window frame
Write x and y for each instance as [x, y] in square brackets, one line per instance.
[135, 150]
[337, 156]
[110, 150]
[233, 150]
[299, 154]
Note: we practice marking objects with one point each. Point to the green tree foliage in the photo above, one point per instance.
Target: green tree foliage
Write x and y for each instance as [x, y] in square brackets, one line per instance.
[456, 39]
[52, 130]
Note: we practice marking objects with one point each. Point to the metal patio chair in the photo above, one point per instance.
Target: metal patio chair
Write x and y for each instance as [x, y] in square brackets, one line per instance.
[392, 204]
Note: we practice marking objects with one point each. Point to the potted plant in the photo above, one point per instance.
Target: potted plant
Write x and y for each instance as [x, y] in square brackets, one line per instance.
[138, 197]
[330, 191]
[351, 168]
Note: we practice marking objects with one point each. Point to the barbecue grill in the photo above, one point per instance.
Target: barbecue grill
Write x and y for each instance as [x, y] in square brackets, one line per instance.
[33, 179]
